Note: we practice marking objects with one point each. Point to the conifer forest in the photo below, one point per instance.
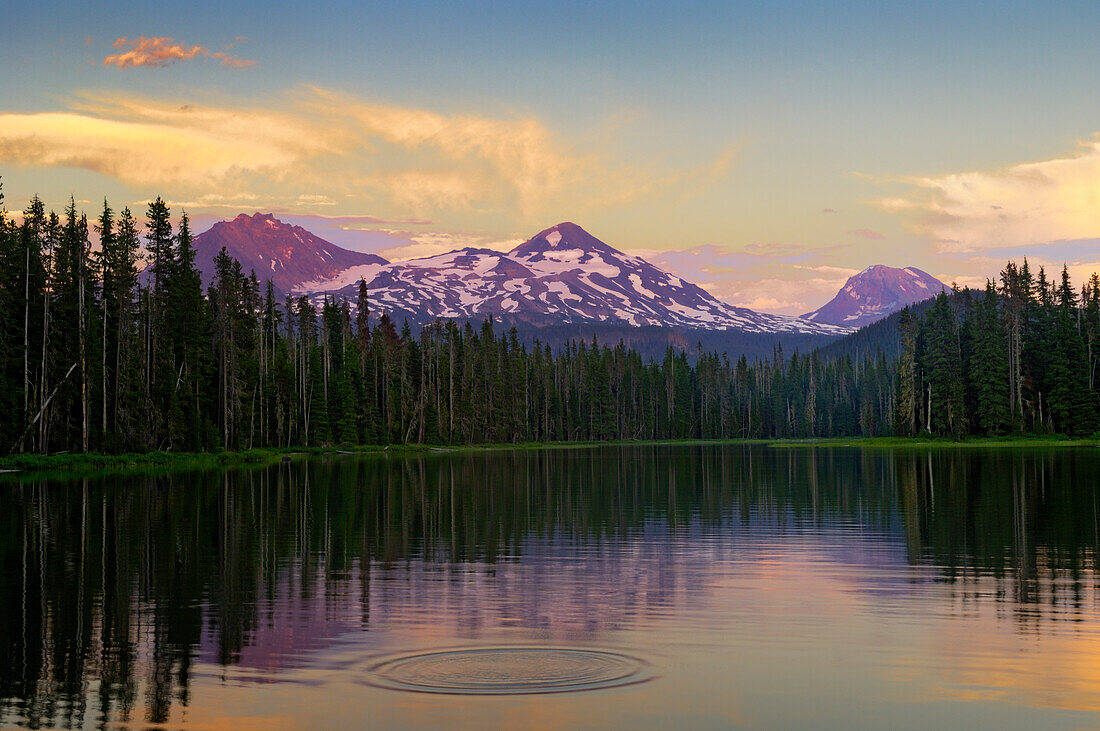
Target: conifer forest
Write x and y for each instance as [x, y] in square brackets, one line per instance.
[109, 342]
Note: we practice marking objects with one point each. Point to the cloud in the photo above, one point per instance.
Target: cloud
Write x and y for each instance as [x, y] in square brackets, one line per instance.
[866, 233]
[828, 210]
[470, 157]
[829, 269]
[1026, 204]
[210, 200]
[232, 61]
[769, 304]
[165, 147]
[774, 248]
[431, 243]
[312, 147]
[158, 52]
[788, 296]
[418, 190]
[781, 278]
[310, 199]
[367, 221]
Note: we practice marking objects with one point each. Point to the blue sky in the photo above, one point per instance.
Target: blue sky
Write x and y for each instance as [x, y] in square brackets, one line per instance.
[765, 152]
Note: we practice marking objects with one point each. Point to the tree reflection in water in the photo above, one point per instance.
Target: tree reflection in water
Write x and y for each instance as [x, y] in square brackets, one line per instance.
[116, 589]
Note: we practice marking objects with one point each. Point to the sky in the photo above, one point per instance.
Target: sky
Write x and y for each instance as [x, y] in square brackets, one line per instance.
[765, 151]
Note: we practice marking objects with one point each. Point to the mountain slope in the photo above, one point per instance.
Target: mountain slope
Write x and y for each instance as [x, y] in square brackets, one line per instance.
[874, 293]
[881, 336]
[561, 275]
[288, 255]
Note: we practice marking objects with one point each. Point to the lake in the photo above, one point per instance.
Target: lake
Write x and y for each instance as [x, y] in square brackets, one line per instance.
[650, 586]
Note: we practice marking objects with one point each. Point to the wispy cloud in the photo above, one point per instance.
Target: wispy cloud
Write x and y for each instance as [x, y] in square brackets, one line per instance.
[160, 51]
[866, 233]
[466, 159]
[1025, 204]
[159, 145]
[317, 147]
[424, 244]
[773, 277]
[367, 221]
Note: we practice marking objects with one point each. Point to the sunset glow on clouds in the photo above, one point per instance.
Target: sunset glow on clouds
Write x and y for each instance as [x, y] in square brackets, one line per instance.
[318, 145]
[680, 133]
[157, 52]
[748, 279]
[145, 152]
[1025, 204]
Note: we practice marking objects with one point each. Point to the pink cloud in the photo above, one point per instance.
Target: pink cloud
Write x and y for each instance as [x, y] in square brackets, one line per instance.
[232, 61]
[867, 233]
[159, 51]
[775, 248]
[828, 210]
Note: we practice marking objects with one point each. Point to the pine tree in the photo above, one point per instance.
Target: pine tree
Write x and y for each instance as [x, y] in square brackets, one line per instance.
[908, 388]
[158, 240]
[989, 370]
[943, 366]
[1092, 327]
[188, 330]
[127, 370]
[1072, 407]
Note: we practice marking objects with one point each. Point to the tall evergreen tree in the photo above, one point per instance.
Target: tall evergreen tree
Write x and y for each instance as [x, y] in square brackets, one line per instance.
[908, 387]
[1072, 407]
[943, 366]
[989, 369]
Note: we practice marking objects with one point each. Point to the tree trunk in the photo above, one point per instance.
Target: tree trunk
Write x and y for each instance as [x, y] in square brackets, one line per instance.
[84, 414]
[27, 332]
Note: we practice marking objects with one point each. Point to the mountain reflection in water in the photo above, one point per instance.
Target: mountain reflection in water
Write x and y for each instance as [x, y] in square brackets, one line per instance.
[131, 599]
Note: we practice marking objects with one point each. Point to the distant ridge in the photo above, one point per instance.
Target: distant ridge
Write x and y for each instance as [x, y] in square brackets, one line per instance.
[560, 275]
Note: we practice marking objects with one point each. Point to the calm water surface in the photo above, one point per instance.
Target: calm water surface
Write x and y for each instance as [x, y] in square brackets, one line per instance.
[653, 586]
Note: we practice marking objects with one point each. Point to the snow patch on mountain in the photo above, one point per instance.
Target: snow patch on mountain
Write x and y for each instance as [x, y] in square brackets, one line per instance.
[562, 274]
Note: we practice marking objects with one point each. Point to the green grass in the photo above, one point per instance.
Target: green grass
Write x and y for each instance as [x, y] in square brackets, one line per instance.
[72, 463]
[945, 443]
[152, 461]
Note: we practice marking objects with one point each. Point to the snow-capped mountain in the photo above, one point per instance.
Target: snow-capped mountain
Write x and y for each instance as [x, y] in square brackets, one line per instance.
[561, 275]
[288, 255]
[874, 293]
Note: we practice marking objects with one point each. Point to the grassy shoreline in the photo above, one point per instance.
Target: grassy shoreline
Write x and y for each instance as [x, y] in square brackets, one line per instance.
[96, 462]
[93, 463]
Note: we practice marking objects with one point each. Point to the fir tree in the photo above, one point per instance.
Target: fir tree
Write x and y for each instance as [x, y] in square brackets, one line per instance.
[989, 369]
[943, 368]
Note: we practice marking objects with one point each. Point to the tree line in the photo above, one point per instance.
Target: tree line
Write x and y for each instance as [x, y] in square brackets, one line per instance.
[119, 347]
[1021, 356]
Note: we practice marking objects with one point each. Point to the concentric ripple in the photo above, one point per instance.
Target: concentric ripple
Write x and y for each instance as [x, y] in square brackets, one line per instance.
[509, 670]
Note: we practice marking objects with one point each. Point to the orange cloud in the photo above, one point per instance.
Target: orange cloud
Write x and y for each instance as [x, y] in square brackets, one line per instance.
[159, 51]
[232, 61]
[311, 148]
[1025, 204]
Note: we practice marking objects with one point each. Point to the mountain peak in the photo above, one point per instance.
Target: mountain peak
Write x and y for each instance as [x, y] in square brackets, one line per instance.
[874, 293]
[287, 255]
[560, 275]
[255, 218]
[565, 236]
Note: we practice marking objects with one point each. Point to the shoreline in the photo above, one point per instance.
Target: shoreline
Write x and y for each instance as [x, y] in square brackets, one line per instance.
[95, 463]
